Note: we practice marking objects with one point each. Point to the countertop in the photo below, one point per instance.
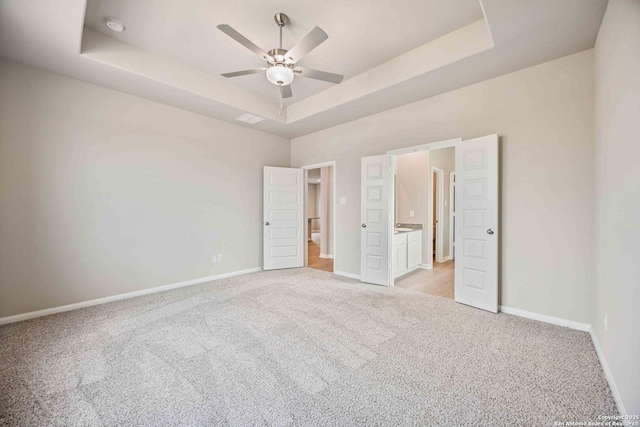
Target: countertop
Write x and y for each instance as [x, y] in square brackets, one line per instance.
[414, 227]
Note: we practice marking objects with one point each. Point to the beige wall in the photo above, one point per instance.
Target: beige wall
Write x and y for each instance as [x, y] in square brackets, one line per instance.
[105, 193]
[617, 225]
[313, 200]
[544, 115]
[318, 196]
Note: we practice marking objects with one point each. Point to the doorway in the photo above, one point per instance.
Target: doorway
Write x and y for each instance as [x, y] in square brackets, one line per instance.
[476, 220]
[319, 216]
[420, 204]
[298, 219]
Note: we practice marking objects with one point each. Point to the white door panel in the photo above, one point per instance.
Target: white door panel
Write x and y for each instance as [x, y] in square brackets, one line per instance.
[283, 218]
[476, 223]
[374, 212]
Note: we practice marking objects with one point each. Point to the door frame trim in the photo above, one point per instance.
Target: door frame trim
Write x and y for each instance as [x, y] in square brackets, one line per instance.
[439, 213]
[452, 185]
[306, 169]
[428, 146]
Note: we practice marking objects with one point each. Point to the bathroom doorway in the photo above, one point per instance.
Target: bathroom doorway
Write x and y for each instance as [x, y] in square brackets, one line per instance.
[390, 249]
[422, 256]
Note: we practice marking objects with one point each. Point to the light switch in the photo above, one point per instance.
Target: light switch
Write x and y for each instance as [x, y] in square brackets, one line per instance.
[343, 200]
[412, 214]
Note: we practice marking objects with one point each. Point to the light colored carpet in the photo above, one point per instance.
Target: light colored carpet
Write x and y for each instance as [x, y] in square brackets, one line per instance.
[295, 347]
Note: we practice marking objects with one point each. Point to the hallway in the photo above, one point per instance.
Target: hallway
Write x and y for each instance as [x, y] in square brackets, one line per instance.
[324, 264]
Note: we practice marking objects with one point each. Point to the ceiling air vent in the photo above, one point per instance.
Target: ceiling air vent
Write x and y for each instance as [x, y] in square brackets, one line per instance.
[250, 118]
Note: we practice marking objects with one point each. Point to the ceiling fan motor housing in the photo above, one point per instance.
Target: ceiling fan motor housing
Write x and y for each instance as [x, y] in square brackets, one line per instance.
[279, 55]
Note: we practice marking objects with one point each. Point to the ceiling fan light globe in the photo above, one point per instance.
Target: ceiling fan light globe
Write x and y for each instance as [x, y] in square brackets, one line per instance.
[280, 75]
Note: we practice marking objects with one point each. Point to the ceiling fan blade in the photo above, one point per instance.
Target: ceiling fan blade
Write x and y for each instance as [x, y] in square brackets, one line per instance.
[319, 75]
[285, 91]
[244, 41]
[307, 44]
[244, 72]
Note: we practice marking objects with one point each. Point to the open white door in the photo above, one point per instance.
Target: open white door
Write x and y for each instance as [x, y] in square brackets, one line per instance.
[374, 212]
[283, 221]
[476, 225]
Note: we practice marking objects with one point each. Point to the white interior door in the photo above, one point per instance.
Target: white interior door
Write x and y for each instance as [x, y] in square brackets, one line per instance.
[374, 212]
[476, 225]
[283, 218]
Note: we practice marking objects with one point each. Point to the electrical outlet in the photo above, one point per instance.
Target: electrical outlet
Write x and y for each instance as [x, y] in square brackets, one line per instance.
[606, 322]
[412, 214]
[219, 257]
[214, 258]
[343, 200]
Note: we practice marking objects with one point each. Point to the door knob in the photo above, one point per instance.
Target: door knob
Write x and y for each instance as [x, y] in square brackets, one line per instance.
[267, 223]
[364, 225]
[489, 231]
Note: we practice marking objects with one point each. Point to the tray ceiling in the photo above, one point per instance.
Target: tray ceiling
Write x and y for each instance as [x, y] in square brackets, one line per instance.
[391, 53]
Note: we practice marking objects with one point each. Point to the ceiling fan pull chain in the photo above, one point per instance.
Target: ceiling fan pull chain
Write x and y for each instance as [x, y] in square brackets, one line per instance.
[281, 106]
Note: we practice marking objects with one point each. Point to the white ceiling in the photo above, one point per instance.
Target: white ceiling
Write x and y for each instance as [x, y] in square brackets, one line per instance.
[362, 34]
[392, 53]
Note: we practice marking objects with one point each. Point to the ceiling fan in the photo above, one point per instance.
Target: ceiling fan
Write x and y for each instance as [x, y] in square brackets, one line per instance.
[281, 62]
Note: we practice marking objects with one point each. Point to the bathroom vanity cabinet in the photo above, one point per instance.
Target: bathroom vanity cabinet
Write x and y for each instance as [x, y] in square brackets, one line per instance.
[407, 252]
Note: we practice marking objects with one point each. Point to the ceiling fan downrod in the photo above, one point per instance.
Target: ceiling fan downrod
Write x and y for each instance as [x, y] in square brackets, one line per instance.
[281, 20]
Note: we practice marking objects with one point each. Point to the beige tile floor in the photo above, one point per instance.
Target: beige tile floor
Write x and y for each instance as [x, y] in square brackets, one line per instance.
[437, 281]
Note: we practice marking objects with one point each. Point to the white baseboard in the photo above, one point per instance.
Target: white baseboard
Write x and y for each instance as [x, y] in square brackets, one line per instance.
[412, 269]
[607, 374]
[69, 307]
[547, 319]
[327, 256]
[426, 266]
[345, 274]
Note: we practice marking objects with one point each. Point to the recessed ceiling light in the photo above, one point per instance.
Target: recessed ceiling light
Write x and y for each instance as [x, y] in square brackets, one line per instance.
[114, 25]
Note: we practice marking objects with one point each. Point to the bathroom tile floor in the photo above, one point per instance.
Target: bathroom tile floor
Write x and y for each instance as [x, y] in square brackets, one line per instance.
[437, 281]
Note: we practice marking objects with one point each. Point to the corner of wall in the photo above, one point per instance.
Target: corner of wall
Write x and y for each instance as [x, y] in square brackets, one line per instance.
[615, 314]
